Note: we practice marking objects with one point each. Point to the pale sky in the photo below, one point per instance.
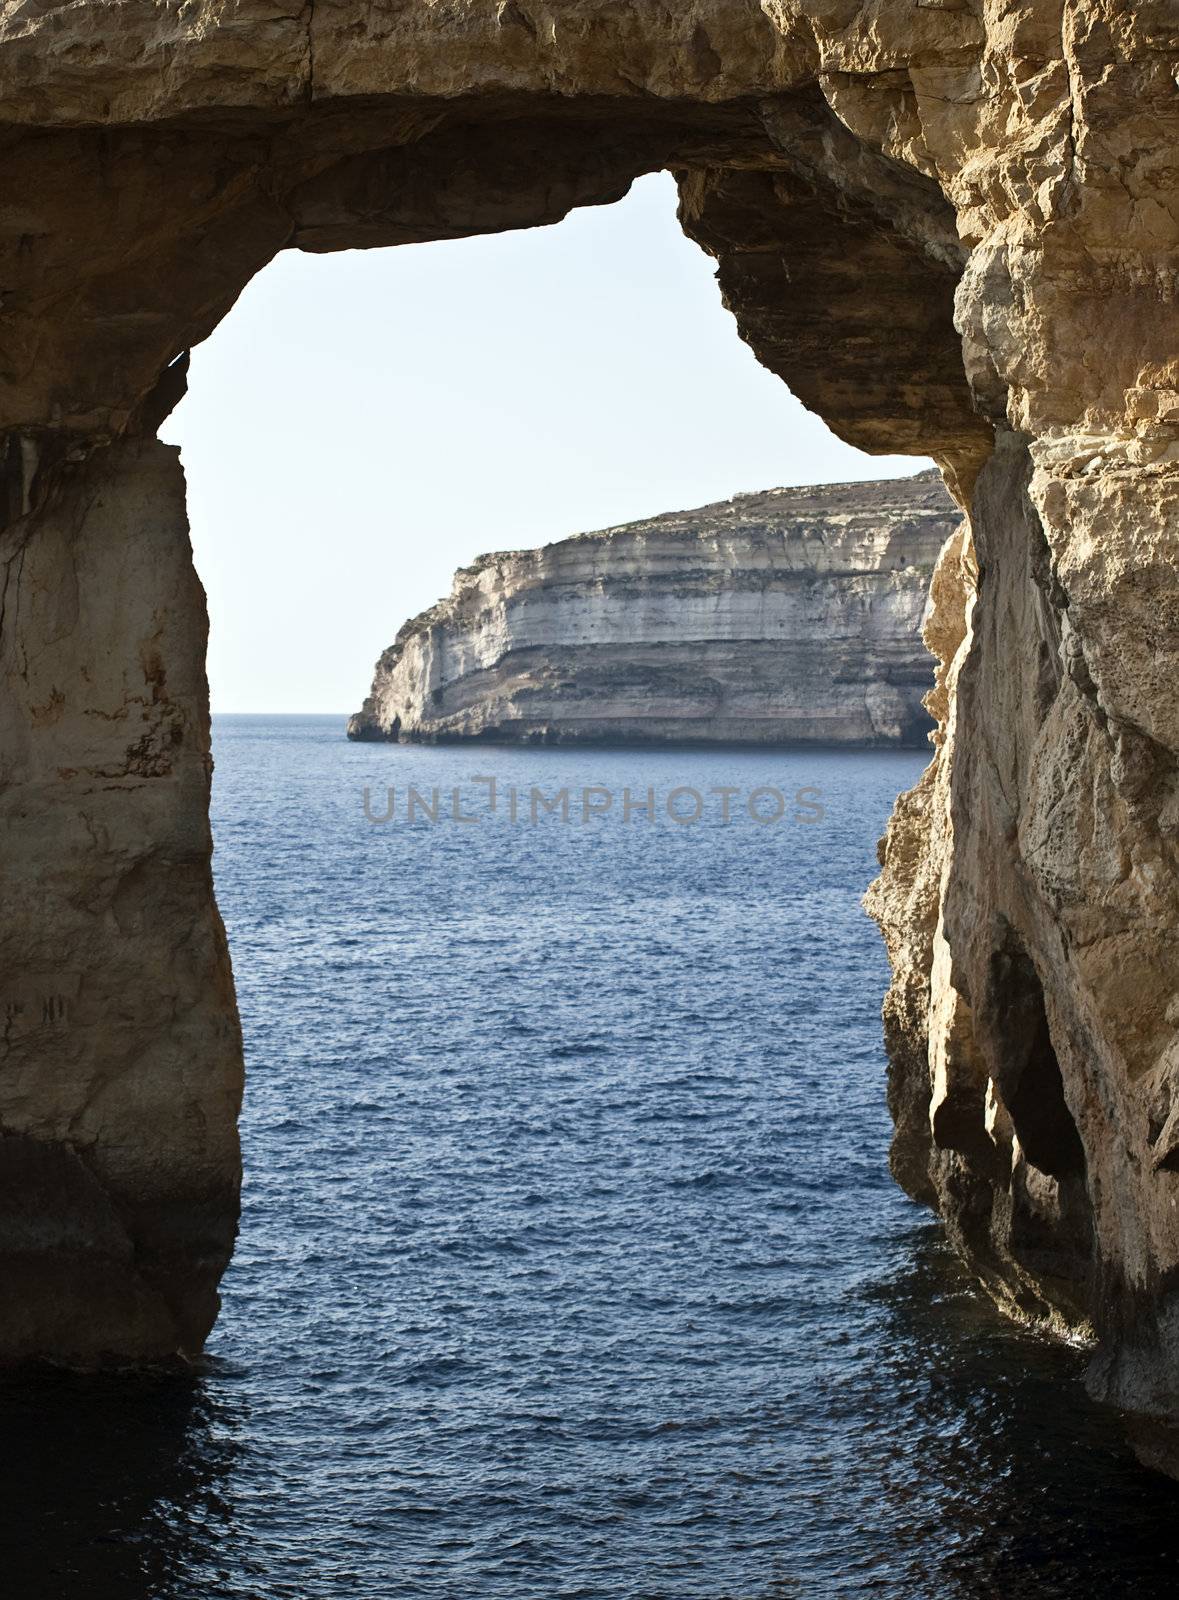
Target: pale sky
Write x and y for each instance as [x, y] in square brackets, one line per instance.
[362, 424]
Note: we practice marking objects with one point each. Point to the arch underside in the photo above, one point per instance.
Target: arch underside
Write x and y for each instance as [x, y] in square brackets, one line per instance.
[922, 281]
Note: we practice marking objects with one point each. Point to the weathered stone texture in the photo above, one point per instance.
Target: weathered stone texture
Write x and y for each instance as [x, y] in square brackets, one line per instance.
[120, 1068]
[952, 228]
[787, 617]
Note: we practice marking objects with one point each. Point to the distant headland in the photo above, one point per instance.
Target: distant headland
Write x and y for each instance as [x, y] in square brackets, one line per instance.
[791, 616]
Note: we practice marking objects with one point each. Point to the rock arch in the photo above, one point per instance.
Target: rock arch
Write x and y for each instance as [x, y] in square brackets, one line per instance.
[950, 227]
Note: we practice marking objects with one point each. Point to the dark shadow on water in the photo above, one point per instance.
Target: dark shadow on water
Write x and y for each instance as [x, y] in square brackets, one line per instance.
[1006, 1479]
[959, 1458]
[111, 1486]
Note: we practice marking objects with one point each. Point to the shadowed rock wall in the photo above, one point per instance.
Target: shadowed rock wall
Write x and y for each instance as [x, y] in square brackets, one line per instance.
[951, 227]
[121, 1076]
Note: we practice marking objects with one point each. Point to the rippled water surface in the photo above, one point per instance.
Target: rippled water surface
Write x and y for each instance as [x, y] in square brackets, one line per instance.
[570, 1265]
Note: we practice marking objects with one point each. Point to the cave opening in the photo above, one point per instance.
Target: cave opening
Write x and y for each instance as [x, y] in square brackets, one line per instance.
[839, 269]
[1028, 1072]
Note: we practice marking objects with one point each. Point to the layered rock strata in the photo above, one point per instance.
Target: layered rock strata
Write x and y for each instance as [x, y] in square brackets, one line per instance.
[953, 228]
[789, 617]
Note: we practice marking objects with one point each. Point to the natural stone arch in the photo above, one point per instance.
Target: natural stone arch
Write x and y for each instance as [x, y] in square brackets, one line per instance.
[951, 228]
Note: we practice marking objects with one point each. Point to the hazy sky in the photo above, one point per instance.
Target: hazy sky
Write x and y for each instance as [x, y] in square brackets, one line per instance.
[362, 424]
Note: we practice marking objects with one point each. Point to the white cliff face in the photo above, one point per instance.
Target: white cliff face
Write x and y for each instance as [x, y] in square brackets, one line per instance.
[791, 616]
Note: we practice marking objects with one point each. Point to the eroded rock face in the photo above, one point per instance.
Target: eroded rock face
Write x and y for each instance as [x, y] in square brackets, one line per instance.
[121, 1075]
[791, 616]
[951, 227]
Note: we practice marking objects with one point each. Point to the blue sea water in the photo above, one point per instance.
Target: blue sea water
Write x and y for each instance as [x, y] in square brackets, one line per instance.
[570, 1265]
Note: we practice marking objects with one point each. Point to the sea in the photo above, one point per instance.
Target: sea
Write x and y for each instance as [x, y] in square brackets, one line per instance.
[570, 1265]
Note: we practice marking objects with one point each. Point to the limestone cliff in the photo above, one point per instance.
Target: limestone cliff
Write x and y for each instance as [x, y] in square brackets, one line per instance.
[953, 229]
[791, 616]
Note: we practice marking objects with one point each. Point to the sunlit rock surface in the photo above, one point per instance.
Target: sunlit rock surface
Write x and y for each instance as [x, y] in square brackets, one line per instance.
[791, 616]
[953, 229]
